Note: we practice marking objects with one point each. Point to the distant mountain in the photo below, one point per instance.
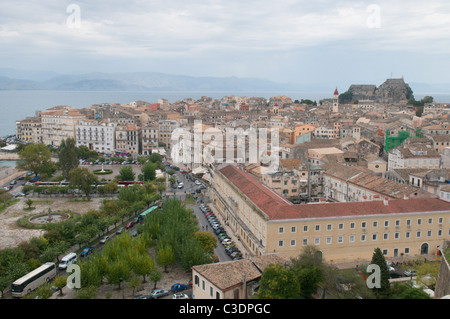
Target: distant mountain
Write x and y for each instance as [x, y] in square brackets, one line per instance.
[139, 81]
[31, 75]
[16, 84]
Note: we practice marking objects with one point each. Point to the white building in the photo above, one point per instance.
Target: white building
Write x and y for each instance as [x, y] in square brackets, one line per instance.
[413, 157]
[97, 136]
[323, 132]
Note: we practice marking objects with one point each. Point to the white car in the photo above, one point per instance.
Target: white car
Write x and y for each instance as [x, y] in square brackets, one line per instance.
[104, 239]
[180, 295]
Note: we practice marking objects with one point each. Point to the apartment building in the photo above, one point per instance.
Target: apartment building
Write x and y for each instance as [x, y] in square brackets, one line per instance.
[323, 132]
[268, 224]
[316, 156]
[128, 139]
[346, 184]
[149, 135]
[29, 130]
[440, 142]
[59, 124]
[166, 127]
[413, 156]
[97, 136]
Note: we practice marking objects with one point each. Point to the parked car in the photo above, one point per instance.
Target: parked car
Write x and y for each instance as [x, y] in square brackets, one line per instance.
[218, 230]
[87, 251]
[236, 254]
[104, 239]
[180, 295]
[130, 224]
[178, 287]
[410, 272]
[120, 230]
[158, 293]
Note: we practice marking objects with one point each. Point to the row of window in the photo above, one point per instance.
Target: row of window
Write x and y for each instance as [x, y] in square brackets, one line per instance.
[211, 289]
[363, 238]
[352, 225]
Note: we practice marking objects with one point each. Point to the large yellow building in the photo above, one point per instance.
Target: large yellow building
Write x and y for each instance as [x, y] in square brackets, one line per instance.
[266, 223]
[59, 124]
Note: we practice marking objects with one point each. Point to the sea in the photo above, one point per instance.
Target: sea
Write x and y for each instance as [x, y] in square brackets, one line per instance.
[17, 105]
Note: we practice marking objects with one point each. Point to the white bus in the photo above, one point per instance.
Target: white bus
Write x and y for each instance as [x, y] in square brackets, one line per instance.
[67, 260]
[34, 279]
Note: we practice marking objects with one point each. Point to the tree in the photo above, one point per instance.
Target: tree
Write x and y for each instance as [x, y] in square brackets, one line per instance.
[278, 282]
[134, 282]
[36, 158]
[29, 202]
[384, 292]
[89, 292]
[111, 188]
[346, 97]
[155, 276]
[161, 187]
[126, 174]
[60, 283]
[309, 279]
[405, 291]
[155, 157]
[427, 272]
[308, 268]
[149, 171]
[85, 153]
[81, 178]
[206, 239]
[165, 257]
[5, 281]
[142, 265]
[68, 156]
[117, 272]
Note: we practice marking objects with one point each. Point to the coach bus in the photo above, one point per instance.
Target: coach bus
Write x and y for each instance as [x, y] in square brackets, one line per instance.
[141, 217]
[33, 280]
[127, 183]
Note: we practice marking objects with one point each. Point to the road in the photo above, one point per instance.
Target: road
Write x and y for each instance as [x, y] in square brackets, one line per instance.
[189, 186]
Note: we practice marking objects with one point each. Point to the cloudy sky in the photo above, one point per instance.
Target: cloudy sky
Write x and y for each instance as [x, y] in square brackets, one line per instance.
[295, 41]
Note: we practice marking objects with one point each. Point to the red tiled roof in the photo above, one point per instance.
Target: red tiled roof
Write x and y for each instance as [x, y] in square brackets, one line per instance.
[262, 196]
[277, 208]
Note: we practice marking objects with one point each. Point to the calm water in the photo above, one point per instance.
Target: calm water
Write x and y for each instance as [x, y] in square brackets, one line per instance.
[8, 163]
[17, 105]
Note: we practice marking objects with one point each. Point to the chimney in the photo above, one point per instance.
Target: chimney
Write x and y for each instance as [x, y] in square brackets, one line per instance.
[385, 201]
[406, 196]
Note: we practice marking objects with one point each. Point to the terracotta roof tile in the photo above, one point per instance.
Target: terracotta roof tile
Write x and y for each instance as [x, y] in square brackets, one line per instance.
[277, 208]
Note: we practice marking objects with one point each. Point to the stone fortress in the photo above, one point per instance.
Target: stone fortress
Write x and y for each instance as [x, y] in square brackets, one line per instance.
[391, 91]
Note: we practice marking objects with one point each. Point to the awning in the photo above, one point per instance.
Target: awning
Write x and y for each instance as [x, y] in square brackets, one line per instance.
[10, 147]
[199, 170]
